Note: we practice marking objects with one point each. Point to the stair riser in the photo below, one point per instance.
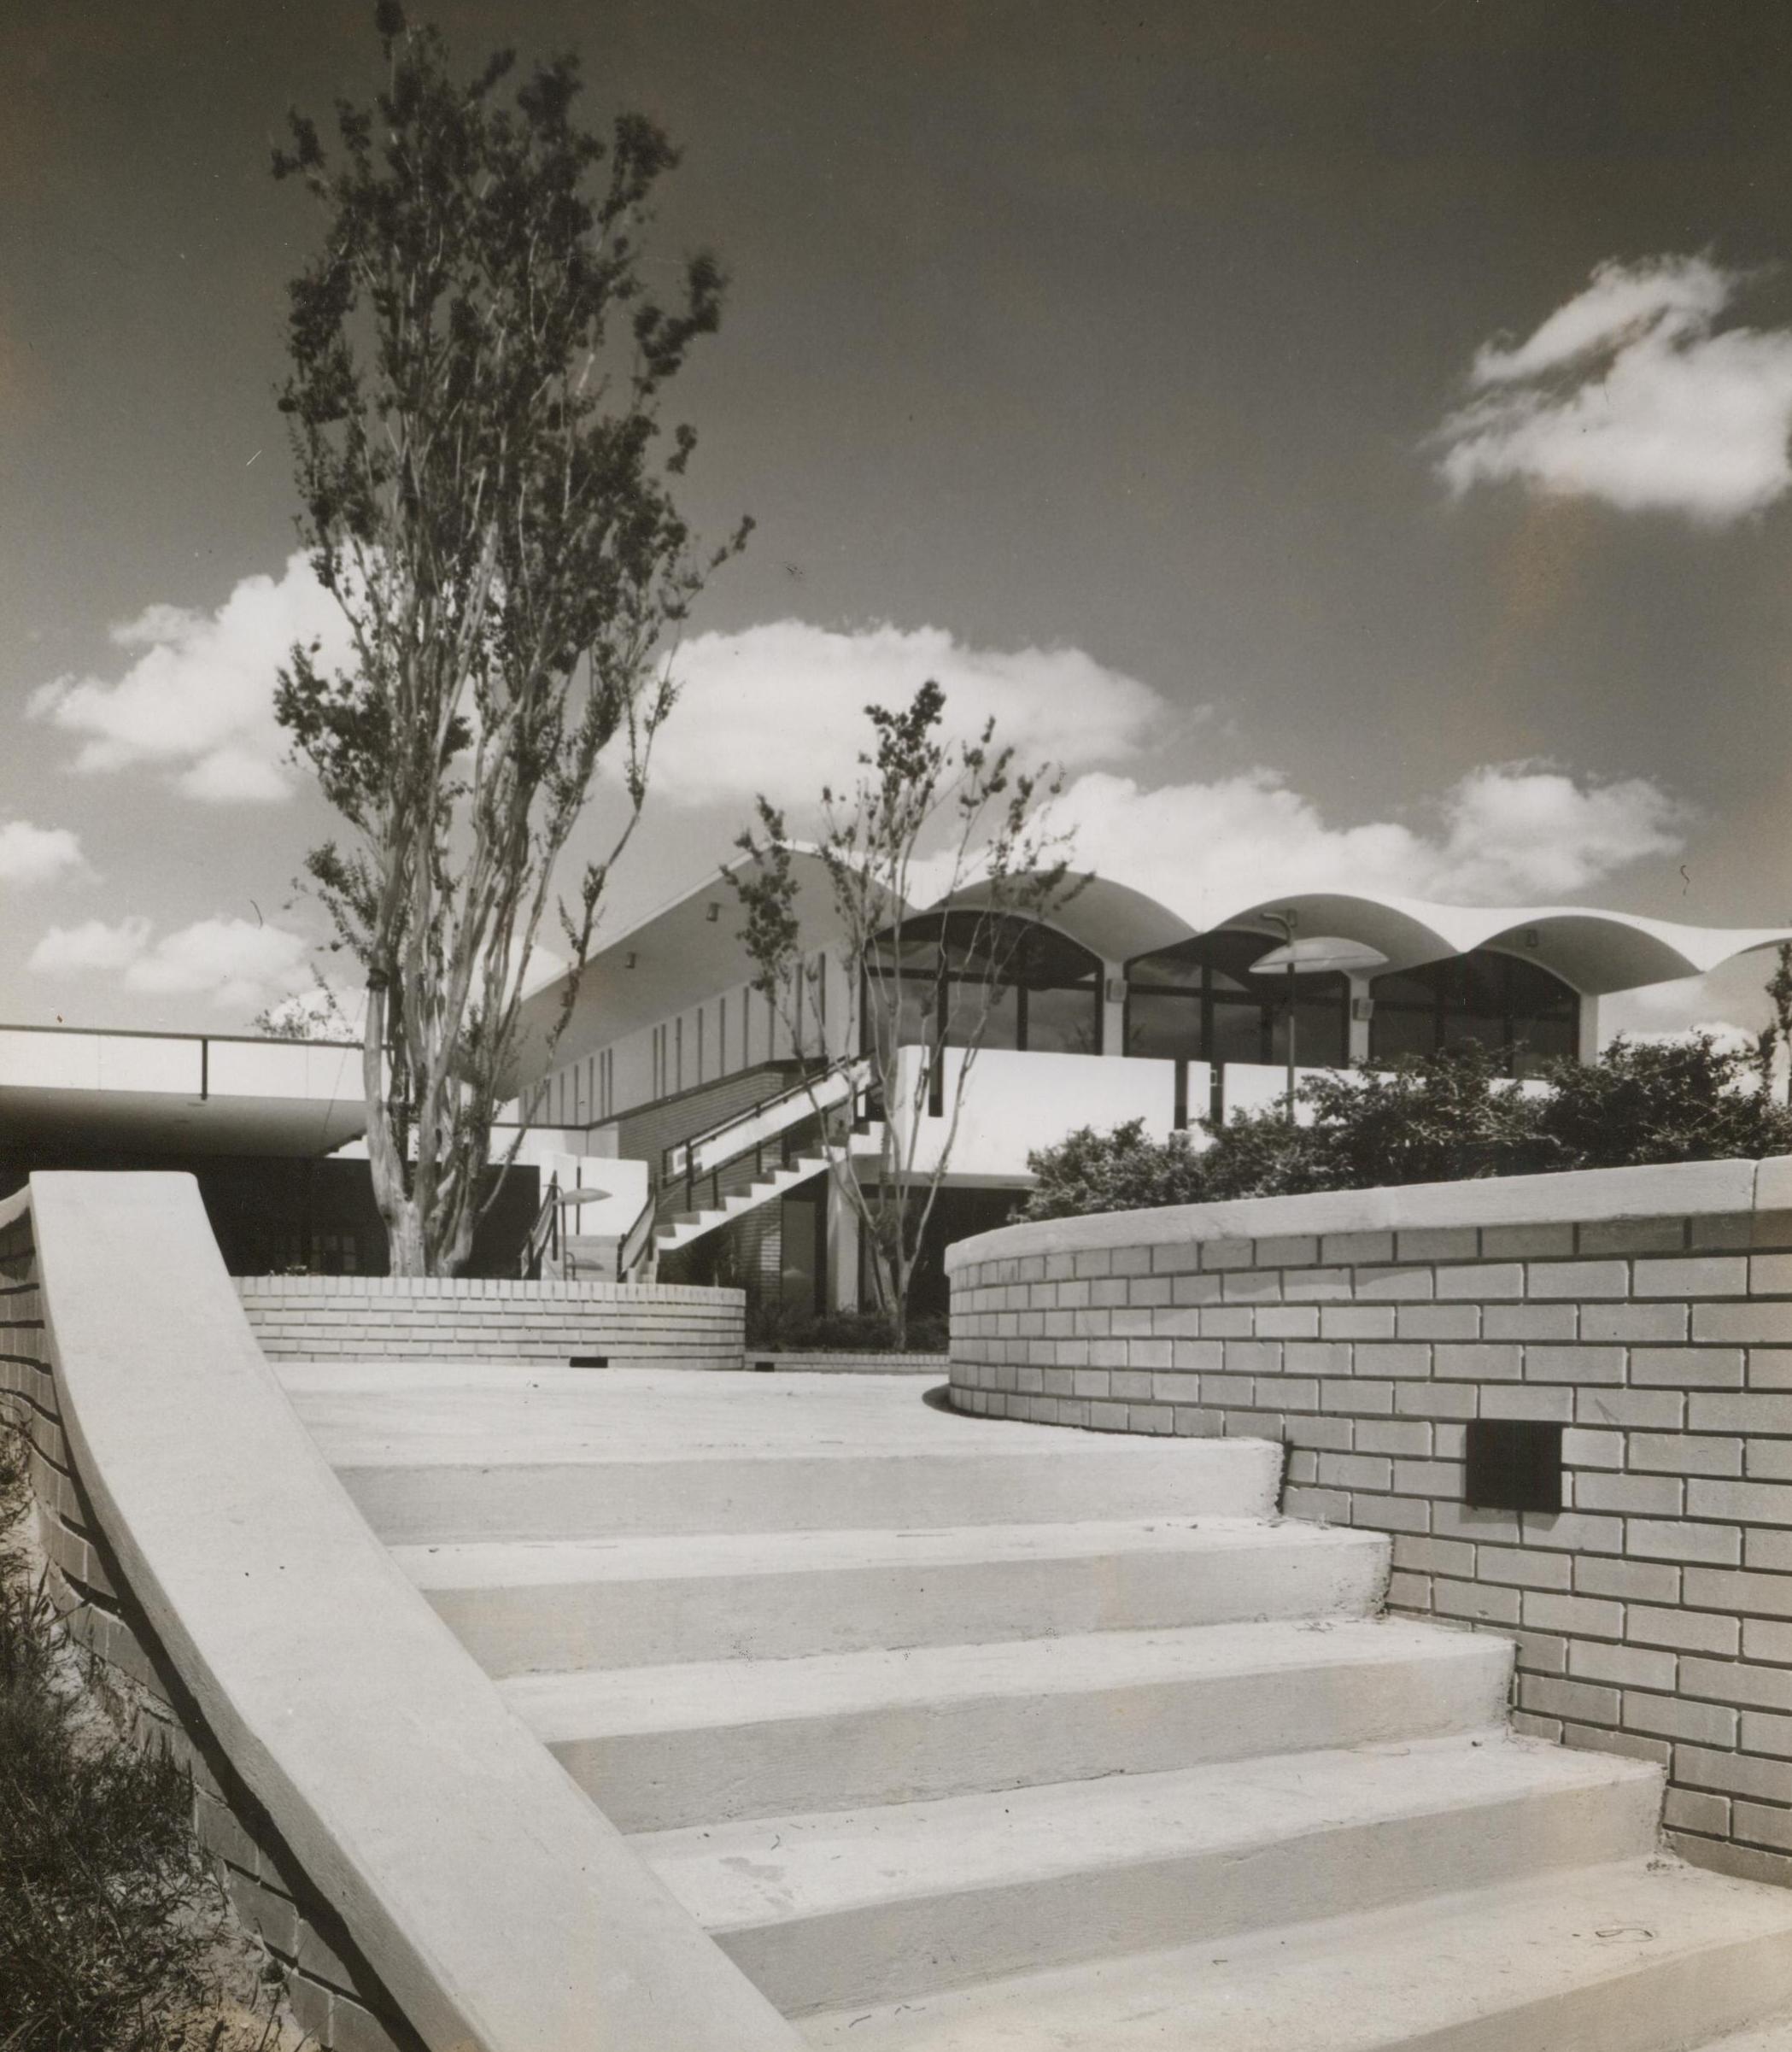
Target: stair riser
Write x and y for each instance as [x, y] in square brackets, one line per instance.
[1637, 2005]
[890, 1951]
[660, 1780]
[1186, 1478]
[655, 1623]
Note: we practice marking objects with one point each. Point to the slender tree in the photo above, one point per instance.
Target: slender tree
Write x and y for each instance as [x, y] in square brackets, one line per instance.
[923, 807]
[476, 372]
[1779, 990]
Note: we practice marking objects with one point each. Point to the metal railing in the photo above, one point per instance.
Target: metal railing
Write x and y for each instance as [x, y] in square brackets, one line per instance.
[543, 1241]
[631, 1249]
[684, 1162]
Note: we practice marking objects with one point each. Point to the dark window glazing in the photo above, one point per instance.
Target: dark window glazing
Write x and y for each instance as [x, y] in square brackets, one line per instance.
[1199, 1002]
[1516, 1009]
[1042, 991]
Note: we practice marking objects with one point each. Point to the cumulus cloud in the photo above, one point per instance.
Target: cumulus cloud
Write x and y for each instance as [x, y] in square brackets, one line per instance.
[1504, 834]
[1631, 393]
[93, 945]
[37, 854]
[232, 962]
[196, 699]
[780, 708]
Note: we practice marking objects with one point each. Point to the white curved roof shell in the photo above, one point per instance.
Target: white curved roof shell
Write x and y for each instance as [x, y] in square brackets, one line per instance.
[1595, 951]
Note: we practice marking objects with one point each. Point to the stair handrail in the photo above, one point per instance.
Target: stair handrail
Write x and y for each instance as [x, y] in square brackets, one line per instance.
[544, 1235]
[633, 1246]
[679, 1162]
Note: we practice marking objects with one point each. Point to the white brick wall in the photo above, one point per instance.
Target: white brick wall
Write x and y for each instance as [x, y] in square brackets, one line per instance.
[380, 1317]
[1648, 1312]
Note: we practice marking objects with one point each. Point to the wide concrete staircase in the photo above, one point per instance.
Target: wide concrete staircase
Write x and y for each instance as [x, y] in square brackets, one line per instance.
[964, 1737]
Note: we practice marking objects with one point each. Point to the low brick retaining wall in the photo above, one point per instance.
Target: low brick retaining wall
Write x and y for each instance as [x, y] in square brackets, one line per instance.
[376, 1317]
[817, 1363]
[1648, 1311]
[335, 1994]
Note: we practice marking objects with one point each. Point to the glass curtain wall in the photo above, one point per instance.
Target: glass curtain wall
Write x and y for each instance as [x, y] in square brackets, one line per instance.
[1047, 994]
[1198, 1002]
[1516, 1009]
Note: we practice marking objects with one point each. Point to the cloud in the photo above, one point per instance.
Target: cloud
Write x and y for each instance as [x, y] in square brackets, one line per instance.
[1629, 393]
[198, 699]
[93, 945]
[232, 962]
[37, 854]
[1505, 833]
[780, 708]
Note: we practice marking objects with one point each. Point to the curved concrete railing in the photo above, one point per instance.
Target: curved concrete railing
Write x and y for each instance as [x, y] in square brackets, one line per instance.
[496, 1907]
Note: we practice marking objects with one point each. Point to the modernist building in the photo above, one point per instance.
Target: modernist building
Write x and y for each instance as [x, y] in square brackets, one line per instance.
[669, 1120]
[674, 1076]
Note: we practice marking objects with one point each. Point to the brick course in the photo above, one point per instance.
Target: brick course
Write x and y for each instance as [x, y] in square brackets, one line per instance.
[334, 1995]
[1648, 1311]
[377, 1318]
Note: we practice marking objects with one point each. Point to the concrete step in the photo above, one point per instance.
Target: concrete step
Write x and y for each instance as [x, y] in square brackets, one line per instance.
[771, 1595]
[683, 1227]
[876, 1905]
[1775, 2036]
[1016, 1481]
[701, 1742]
[1644, 1955]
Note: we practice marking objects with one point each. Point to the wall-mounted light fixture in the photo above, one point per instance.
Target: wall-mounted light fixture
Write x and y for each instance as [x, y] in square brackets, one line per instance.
[1532, 938]
[1116, 990]
[712, 911]
[628, 959]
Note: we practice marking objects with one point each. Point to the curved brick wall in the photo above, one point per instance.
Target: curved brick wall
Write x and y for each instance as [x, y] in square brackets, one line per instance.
[1646, 1311]
[369, 1317]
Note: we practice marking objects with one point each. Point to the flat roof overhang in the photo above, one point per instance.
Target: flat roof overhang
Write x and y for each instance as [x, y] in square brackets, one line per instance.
[176, 1093]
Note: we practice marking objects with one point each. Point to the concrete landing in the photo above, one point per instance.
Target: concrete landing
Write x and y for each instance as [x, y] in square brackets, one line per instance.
[451, 1454]
[448, 1412]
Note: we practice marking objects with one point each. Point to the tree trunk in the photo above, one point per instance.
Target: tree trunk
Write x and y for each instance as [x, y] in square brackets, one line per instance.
[406, 1252]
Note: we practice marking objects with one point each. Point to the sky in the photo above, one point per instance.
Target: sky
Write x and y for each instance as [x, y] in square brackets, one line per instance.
[1352, 440]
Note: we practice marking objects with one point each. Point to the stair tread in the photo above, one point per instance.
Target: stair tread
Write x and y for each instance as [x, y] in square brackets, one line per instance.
[704, 1694]
[1772, 2035]
[784, 1868]
[1495, 1957]
[510, 1563]
[489, 1416]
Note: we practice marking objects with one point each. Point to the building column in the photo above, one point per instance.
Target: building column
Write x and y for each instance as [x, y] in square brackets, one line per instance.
[1357, 1048]
[1587, 1050]
[1113, 1012]
[839, 1229]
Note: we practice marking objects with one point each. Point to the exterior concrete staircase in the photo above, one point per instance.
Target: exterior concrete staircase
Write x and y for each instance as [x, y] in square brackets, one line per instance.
[680, 1227]
[964, 1737]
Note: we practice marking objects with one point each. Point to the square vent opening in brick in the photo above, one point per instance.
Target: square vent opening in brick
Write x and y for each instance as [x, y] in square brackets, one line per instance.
[1512, 1465]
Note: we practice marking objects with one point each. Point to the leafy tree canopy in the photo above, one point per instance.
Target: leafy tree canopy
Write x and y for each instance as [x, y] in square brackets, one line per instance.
[486, 489]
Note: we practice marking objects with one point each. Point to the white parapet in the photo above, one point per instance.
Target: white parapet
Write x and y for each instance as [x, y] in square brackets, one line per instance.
[498, 1907]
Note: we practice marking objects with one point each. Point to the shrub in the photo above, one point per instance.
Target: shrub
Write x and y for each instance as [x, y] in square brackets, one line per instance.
[1117, 1171]
[113, 1933]
[1656, 1101]
[776, 1328]
[1438, 1118]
